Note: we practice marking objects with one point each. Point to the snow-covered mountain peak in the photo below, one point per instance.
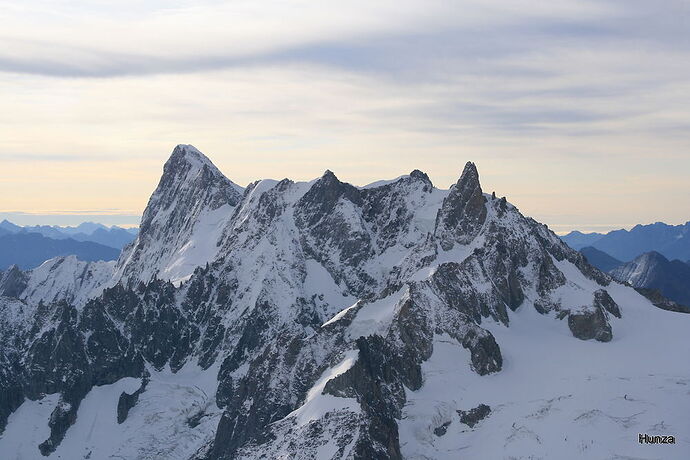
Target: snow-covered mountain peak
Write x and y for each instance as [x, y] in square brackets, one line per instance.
[63, 278]
[189, 175]
[183, 221]
[415, 175]
[639, 271]
[187, 154]
[186, 164]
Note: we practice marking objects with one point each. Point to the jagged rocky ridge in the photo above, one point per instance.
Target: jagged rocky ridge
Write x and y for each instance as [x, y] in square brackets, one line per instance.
[312, 306]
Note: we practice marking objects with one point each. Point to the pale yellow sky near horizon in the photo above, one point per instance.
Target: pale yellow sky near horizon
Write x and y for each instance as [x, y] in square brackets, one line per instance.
[578, 112]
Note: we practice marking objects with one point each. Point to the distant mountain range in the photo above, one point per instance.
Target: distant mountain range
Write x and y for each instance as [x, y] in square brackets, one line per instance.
[29, 250]
[650, 270]
[671, 241]
[30, 246]
[114, 237]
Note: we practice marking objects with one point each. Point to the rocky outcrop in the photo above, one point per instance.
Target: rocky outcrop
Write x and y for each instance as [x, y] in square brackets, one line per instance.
[12, 394]
[475, 415]
[590, 323]
[377, 380]
[442, 429]
[127, 401]
[463, 212]
[602, 299]
[13, 282]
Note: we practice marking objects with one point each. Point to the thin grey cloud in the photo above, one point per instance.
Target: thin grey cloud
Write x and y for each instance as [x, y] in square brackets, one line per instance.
[426, 52]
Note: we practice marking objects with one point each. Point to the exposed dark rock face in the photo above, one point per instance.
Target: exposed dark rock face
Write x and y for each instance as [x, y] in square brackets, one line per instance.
[241, 424]
[387, 211]
[441, 430]
[560, 251]
[454, 283]
[58, 363]
[180, 192]
[12, 394]
[590, 323]
[463, 212]
[60, 360]
[69, 352]
[323, 197]
[486, 355]
[473, 416]
[377, 380]
[335, 233]
[602, 299]
[13, 282]
[127, 401]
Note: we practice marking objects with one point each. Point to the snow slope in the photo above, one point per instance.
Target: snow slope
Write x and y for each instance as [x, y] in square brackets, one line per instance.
[67, 278]
[557, 397]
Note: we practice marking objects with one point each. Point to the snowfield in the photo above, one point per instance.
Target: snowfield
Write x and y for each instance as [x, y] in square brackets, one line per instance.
[157, 427]
[556, 397]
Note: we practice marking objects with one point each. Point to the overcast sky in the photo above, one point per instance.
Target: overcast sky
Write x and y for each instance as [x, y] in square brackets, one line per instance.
[577, 111]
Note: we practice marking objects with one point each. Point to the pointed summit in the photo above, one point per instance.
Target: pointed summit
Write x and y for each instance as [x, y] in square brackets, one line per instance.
[328, 175]
[421, 176]
[463, 211]
[322, 198]
[190, 154]
[188, 171]
[192, 196]
[184, 149]
[186, 160]
[469, 177]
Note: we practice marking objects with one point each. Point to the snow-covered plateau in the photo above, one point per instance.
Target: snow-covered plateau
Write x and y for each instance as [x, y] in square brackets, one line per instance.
[301, 320]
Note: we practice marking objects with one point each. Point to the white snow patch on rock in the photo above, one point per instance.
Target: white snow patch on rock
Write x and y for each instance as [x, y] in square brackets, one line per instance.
[317, 404]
